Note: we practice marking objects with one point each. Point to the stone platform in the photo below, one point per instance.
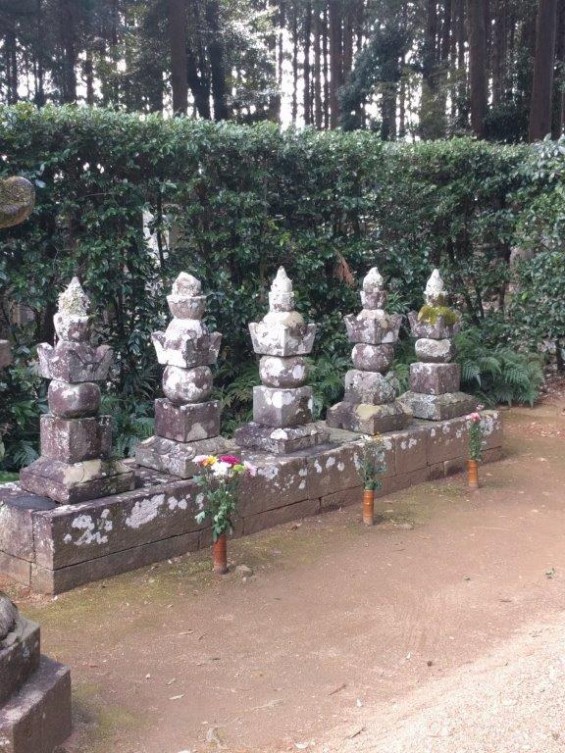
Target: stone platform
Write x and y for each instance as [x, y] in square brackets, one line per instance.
[54, 548]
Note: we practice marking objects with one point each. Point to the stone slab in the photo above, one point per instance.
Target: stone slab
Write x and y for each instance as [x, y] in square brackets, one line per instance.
[71, 483]
[38, 718]
[177, 458]
[435, 378]
[19, 657]
[411, 449]
[187, 423]
[438, 407]
[44, 580]
[281, 515]
[368, 419]
[279, 481]
[447, 441]
[279, 441]
[369, 387]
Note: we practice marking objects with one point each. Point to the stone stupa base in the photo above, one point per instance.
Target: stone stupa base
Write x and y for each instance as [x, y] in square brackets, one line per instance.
[71, 483]
[280, 441]
[366, 418]
[438, 407]
[177, 458]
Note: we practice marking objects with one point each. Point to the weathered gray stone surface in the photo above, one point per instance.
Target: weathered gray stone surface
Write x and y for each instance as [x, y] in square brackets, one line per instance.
[8, 616]
[367, 418]
[279, 441]
[283, 372]
[434, 351]
[69, 483]
[176, 458]
[283, 339]
[17, 199]
[277, 407]
[439, 330]
[74, 362]
[368, 387]
[73, 400]
[187, 423]
[372, 357]
[438, 407]
[38, 718]
[75, 440]
[19, 657]
[373, 327]
[435, 378]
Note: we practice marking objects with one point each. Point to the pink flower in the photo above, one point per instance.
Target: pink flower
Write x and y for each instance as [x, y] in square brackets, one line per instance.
[480, 407]
[230, 459]
[474, 417]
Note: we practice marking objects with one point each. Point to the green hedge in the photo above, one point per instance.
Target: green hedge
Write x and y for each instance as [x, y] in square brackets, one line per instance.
[242, 201]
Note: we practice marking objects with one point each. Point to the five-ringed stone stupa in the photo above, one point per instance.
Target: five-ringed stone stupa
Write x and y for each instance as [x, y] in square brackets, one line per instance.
[369, 405]
[187, 422]
[76, 442]
[434, 380]
[282, 405]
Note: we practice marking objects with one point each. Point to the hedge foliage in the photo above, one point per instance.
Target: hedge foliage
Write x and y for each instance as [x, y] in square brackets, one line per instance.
[239, 201]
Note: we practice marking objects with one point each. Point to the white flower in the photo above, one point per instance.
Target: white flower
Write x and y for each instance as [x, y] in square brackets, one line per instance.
[221, 470]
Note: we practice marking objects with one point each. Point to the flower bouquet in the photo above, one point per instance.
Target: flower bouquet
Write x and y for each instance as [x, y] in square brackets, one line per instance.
[219, 480]
[475, 434]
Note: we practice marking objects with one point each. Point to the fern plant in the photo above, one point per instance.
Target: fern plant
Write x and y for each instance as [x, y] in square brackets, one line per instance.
[132, 422]
[497, 373]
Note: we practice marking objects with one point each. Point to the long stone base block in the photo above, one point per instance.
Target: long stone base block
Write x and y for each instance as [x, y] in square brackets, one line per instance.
[280, 441]
[37, 719]
[19, 657]
[438, 407]
[70, 483]
[177, 458]
[52, 548]
[368, 419]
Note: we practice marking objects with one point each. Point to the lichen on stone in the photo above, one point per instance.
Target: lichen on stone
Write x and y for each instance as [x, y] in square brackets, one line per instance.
[430, 314]
[73, 301]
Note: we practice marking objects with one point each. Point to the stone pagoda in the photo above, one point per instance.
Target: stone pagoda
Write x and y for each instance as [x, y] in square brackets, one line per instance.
[282, 405]
[435, 381]
[370, 404]
[76, 442]
[187, 423]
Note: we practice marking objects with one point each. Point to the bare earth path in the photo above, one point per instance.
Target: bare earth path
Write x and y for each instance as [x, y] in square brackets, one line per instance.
[442, 629]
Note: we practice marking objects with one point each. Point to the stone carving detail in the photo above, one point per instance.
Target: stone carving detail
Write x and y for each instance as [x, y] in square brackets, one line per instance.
[282, 405]
[76, 443]
[434, 380]
[369, 404]
[187, 423]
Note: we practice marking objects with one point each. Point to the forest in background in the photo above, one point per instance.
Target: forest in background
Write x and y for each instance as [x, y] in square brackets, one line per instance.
[406, 69]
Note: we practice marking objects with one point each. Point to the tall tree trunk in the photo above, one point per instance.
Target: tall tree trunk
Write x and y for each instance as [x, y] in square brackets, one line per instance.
[39, 66]
[68, 11]
[326, 68]
[432, 120]
[540, 107]
[477, 59]
[318, 121]
[217, 64]
[176, 24]
[499, 52]
[336, 59]
[559, 82]
[294, 105]
[307, 82]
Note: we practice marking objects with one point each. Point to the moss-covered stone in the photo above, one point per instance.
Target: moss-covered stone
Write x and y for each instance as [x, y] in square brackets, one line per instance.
[430, 314]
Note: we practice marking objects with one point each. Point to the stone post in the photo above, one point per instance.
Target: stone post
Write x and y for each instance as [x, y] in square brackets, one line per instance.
[76, 442]
[187, 423]
[282, 405]
[435, 381]
[370, 404]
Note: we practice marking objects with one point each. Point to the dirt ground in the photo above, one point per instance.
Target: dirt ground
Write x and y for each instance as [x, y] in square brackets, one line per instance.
[441, 629]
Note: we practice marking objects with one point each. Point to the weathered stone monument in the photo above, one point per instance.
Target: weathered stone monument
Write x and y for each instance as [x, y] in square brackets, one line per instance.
[76, 442]
[434, 380]
[370, 404]
[187, 422]
[282, 405]
[35, 692]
